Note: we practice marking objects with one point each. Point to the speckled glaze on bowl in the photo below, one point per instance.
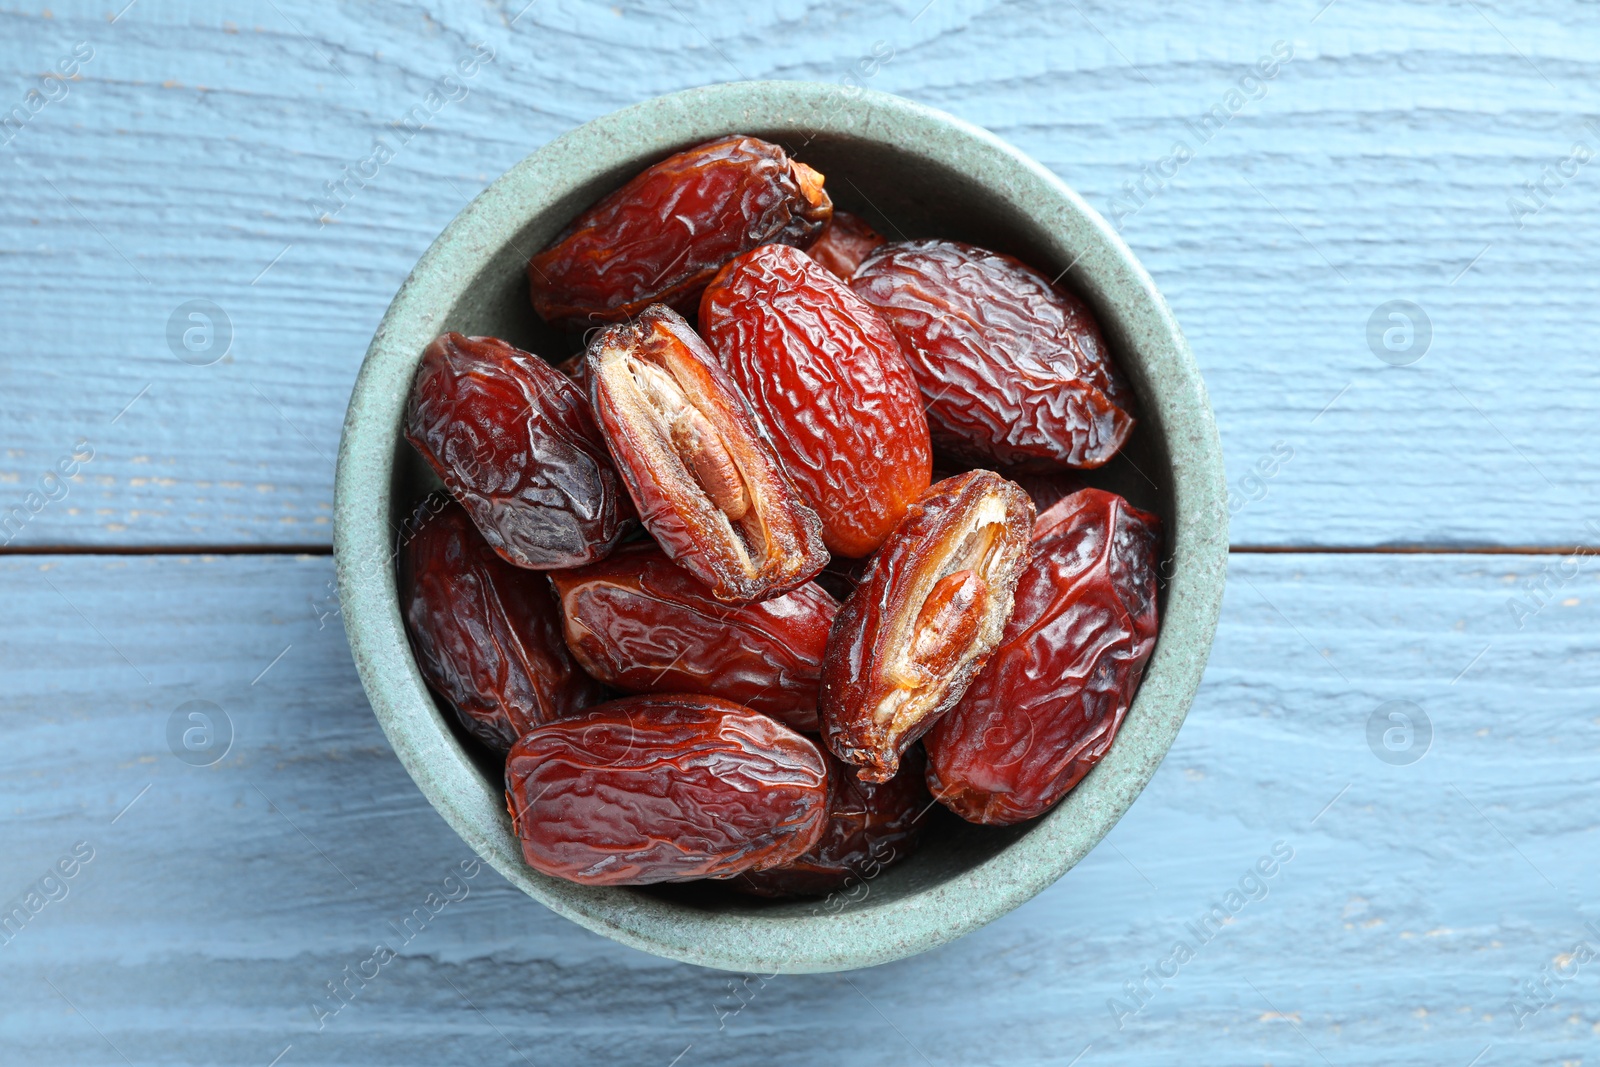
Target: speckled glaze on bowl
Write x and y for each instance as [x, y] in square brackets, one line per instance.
[912, 172]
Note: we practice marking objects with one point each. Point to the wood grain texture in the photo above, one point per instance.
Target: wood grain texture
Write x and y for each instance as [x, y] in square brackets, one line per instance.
[219, 904]
[186, 160]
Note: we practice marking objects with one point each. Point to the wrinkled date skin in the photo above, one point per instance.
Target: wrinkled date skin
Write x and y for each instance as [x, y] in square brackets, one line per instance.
[487, 635]
[844, 243]
[661, 237]
[664, 789]
[1014, 369]
[870, 827]
[1047, 706]
[909, 640]
[642, 624]
[516, 443]
[826, 380]
[706, 484]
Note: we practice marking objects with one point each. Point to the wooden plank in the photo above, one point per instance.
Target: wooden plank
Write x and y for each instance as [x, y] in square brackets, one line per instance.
[221, 899]
[184, 162]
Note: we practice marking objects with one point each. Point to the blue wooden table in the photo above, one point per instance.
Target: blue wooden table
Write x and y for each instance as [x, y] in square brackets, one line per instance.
[1384, 255]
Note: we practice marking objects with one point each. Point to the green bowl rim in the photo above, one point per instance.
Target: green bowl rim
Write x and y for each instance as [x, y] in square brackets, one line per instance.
[1173, 394]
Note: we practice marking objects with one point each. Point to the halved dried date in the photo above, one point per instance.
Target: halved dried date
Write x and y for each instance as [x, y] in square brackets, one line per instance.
[1014, 368]
[487, 635]
[826, 380]
[909, 640]
[706, 484]
[516, 443]
[664, 789]
[1048, 704]
[661, 237]
[642, 624]
[844, 243]
[870, 827]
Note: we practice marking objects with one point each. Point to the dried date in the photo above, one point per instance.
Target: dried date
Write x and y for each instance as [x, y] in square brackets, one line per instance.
[487, 635]
[642, 624]
[516, 443]
[828, 384]
[664, 789]
[908, 641]
[1048, 704]
[844, 243]
[1014, 368]
[705, 482]
[870, 827]
[661, 237]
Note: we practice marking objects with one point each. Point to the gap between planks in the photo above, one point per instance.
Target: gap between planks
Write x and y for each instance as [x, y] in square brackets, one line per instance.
[327, 550]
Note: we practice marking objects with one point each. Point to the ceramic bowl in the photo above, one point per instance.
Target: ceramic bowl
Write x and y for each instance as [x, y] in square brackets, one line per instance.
[910, 171]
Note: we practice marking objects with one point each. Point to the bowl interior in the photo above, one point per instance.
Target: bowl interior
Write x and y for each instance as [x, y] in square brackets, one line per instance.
[902, 196]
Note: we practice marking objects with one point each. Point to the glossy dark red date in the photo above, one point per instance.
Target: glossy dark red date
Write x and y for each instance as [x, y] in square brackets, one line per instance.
[828, 384]
[642, 624]
[1014, 369]
[516, 443]
[661, 237]
[487, 635]
[1047, 706]
[664, 789]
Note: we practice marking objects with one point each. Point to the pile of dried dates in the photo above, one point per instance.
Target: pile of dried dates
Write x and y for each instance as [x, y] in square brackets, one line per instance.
[704, 589]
